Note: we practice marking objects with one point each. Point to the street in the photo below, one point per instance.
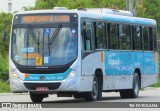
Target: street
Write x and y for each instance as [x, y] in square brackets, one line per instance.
[111, 101]
[146, 95]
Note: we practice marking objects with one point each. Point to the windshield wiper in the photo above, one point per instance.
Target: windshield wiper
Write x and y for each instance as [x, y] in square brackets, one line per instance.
[54, 35]
[30, 29]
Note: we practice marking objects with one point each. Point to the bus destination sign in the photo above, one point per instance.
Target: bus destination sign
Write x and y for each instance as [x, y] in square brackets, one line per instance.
[44, 18]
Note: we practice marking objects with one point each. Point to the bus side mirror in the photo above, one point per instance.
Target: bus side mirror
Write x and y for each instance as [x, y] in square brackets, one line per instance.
[4, 35]
[87, 34]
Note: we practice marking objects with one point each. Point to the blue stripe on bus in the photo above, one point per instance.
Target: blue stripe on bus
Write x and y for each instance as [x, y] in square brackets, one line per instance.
[125, 62]
[48, 77]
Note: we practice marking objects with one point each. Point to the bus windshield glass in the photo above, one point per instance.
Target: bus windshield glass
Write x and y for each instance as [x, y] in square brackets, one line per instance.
[48, 40]
[44, 46]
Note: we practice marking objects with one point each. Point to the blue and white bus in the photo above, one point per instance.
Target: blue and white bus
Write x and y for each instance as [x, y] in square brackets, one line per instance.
[82, 53]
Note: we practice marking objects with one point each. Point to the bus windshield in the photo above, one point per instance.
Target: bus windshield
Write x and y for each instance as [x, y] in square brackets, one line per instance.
[35, 46]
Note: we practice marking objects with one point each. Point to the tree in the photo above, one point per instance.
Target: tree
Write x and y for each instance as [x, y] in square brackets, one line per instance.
[45, 4]
[5, 20]
[73, 4]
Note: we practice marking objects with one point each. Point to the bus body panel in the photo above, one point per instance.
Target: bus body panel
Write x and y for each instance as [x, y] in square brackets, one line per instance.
[150, 69]
[118, 70]
[119, 67]
[90, 64]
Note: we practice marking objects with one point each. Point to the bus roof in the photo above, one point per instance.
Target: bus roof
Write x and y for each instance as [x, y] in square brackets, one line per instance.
[100, 16]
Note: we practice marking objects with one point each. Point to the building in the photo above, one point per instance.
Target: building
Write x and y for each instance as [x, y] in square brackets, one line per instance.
[10, 6]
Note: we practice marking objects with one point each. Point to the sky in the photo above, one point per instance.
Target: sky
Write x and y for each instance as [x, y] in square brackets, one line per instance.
[16, 4]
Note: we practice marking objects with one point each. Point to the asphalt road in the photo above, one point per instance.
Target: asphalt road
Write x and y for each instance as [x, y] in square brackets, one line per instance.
[149, 95]
[146, 95]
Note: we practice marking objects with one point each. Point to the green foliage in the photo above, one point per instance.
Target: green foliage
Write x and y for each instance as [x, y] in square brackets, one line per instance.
[45, 4]
[3, 68]
[5, 23]
[4, 87]
[73, 4]
[150, 9]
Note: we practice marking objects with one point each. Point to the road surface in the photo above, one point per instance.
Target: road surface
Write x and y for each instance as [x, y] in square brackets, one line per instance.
[146, 95]
[149, 95]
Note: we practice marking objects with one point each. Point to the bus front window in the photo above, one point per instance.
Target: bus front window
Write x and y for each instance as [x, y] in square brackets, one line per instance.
[44, 46]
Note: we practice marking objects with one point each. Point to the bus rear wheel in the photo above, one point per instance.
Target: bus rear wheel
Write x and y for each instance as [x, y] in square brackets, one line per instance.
[134, 92]
[36, 97]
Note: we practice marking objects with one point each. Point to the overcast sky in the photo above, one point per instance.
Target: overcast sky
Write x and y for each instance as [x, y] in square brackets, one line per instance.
[16, 4]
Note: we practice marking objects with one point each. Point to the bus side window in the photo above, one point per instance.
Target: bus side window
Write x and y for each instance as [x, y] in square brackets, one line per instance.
[155, 39]
[108, 34]
[137, 38]
[146, 38]
[125, 37]
[86, 40]
[113, 36]
[151, 38]
[100, 38]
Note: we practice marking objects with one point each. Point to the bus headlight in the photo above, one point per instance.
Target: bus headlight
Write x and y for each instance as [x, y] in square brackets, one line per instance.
[72, 73]
[15, 75]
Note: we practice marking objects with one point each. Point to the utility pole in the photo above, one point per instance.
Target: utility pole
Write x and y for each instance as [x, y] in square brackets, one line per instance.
[135, 8]
[129, 6]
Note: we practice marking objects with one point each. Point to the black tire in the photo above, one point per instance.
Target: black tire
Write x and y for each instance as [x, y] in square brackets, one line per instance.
[125, 93]
[77, 95]
[36, 97]
[96, 92]
[134, 92]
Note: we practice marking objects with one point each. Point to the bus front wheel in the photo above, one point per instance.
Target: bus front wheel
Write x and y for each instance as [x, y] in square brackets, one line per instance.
[96, 91]
[36, 97]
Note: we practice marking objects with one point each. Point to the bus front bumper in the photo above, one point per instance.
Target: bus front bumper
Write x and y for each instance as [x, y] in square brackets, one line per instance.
[70, 85]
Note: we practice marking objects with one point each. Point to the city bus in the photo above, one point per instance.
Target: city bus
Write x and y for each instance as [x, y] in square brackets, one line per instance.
[81, 53]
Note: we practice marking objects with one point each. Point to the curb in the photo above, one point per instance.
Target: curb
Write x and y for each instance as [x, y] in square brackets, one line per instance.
[9, 94]
[151, 88]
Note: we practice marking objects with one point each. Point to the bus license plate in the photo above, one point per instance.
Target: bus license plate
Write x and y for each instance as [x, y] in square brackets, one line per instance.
[42, 89]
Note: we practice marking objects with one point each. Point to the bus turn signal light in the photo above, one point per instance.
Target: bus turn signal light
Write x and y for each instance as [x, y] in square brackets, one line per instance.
[26, 75]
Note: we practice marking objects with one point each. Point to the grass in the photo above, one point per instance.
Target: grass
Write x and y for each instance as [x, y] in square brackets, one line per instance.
[4, 88]
[157, 85]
